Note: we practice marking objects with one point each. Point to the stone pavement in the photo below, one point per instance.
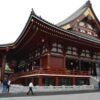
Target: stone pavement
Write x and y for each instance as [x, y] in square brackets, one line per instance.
[23, 94]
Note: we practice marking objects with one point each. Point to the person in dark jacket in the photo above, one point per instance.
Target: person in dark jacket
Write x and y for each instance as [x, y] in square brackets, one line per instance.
[5, 85]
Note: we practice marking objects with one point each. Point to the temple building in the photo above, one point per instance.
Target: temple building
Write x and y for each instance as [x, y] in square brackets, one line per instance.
[64, 54]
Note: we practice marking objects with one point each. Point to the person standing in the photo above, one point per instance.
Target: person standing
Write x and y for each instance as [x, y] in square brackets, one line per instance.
[30, 88]
[4, 85]
[8, 85]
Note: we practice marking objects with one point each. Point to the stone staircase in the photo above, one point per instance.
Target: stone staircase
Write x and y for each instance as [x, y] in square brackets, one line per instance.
[94, 80]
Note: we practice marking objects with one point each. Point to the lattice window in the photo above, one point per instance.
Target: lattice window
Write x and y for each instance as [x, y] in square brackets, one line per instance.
[44, 50]
[56, 48]
[85, 53]
[98, 56]
[71, 51]
[94, 56]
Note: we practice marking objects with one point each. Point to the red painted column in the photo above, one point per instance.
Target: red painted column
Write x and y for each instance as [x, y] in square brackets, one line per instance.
[64, 55]
[40, 81]
[33, 80]
[48, 60]
[40, 61]
[64, 60]
[74, 81]
[57, 81]
[3, 67]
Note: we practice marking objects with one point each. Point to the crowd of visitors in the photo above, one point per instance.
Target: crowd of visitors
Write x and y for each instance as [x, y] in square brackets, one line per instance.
[7, 83]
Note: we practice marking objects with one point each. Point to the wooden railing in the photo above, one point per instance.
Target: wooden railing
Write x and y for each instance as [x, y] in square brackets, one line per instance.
[49, 71]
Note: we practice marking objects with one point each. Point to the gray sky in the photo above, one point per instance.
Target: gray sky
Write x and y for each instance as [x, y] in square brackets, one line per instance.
[14, 14]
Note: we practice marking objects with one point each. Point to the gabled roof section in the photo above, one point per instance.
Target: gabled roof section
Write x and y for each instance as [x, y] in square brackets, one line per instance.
[84, 11]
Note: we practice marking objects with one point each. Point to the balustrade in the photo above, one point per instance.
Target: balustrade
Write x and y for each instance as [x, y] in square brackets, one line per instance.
[50, 71]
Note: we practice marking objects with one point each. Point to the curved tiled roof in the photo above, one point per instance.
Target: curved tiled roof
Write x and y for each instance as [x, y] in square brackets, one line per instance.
[85, 36]
[75, 14]
[74, 33]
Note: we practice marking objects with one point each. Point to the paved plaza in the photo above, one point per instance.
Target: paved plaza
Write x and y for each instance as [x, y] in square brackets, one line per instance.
[49, 92]
[6, 95]
[77, 96]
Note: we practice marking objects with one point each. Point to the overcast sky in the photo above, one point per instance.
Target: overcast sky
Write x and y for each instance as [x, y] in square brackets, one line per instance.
[14, 14]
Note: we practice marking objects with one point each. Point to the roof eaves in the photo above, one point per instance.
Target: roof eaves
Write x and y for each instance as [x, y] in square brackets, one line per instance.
[67, 31]
[23, 31]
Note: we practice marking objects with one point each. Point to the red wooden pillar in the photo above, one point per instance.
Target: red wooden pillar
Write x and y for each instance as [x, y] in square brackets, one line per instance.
[57, 81]
[64, 55]
[64, 60]
[40, 81]
[49, 47]
[40, 61]
[48, 60]
[79, 65]
[3, 67]
[33, 80]
[74, 81]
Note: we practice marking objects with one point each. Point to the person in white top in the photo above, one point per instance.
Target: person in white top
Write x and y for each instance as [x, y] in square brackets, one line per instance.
[30, 88]
[8, 85]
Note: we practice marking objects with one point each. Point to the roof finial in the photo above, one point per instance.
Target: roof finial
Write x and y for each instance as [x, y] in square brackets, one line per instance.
[32, 12]
[88, 3]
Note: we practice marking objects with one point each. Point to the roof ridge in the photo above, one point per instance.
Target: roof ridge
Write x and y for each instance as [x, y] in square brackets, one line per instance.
[88, 3]
[75, 14]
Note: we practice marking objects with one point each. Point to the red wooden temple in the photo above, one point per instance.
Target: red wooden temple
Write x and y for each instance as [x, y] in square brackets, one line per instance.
[64, 54]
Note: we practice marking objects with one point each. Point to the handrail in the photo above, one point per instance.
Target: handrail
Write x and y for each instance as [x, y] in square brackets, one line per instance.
[52, 71]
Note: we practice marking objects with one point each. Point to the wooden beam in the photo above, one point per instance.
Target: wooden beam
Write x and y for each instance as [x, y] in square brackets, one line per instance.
[3, 67]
